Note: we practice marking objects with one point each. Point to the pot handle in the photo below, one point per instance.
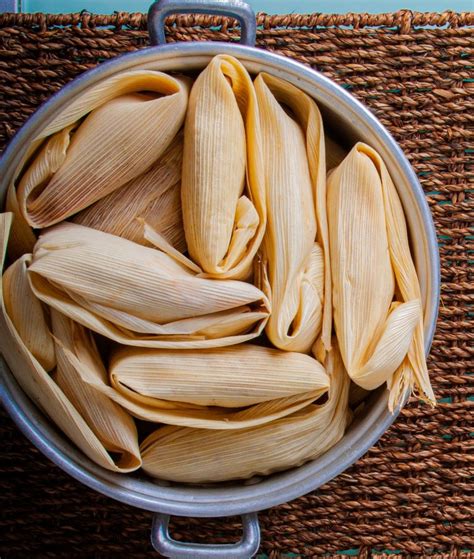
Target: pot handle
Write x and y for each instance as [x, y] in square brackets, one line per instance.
[237, 9]
[244, 549]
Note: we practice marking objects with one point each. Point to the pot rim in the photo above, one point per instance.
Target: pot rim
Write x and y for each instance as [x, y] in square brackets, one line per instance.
[278, 488]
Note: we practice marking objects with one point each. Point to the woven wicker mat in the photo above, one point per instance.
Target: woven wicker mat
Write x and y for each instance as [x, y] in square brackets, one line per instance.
[409, 495]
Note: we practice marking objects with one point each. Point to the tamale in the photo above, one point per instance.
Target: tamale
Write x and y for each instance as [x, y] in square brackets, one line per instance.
[222, 185]
[376, 294]
[293, 152]
[192, 415]
[231, 377]
[119, 139]
[138, 295]
[40, 387]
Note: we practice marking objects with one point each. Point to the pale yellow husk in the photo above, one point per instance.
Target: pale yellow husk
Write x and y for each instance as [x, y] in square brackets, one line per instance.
[27, 313]
[230, 377]
[192, 415]
[112, 425]
[22, 238]
[138, 295]
[200, 456]
[294, 176]
[39, 386]
[413, 373]
[38, 173]
[156, 239]
[154, 197]
[376, 295]
[125, 132]
[222, 184]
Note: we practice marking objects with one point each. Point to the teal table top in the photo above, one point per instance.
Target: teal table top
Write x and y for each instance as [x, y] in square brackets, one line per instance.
[269, 6]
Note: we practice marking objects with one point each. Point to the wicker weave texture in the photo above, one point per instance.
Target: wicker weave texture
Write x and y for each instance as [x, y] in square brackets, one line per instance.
[409, 494]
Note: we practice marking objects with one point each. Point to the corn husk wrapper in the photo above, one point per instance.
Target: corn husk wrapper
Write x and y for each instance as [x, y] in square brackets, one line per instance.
[112, 425]
[192, 415]
[22, 238]
[376, 294]
[27, 313]
[140, 296]
[119, 139]
[200, 456]
[46, 162]
[412, 375]
[294, 263]
[39, 386]
[230, 377]
[154, 197]
[156, 239]
[222, 184]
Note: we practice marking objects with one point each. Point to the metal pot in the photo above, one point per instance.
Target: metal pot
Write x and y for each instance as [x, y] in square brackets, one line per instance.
[349, 120]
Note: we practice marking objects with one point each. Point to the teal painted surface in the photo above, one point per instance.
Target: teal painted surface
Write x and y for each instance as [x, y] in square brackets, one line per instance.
[269, 6]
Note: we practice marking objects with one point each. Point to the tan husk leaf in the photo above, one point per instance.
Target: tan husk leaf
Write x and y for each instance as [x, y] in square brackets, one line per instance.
[27, 313]
[154, 197]
[294, 174]
[22, 238]
[198, 456]
[413, 373]
[138, 295]
[119, 140]
[222, 184]
[49, 157]
[44, 164]
[112, 425]
[39, 386]
[369, 243]
[230, 377]
[192, 415]
[156, 239]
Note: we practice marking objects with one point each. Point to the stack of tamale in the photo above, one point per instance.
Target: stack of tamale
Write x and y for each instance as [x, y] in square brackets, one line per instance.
[176, 252]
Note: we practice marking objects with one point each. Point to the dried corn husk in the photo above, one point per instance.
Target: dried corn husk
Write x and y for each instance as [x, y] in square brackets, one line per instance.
[156, 239]
[198, 456]
[192, 415]
[372, 265]
[222, 185]
[230, 377]
[39, 386]
[138, 295]
[293, 262]
[119, 140]
[112, 425]
[27, 313]
[413, 373]
[154, 197]
[22, 238]
[45, 163]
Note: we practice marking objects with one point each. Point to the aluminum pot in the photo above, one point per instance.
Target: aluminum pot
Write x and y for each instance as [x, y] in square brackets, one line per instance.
[349, 121]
